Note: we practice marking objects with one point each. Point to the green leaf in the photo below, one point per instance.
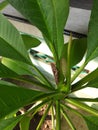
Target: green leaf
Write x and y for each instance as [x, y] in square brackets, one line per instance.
[49, 16]
[67, 118]
[68, 71]
[13, 97]
[25, 69]
[3, 4]
[86, 80]
[25, 122]
[6, 72]
[11, 44]
[78, 49]
[92, 122]
[9, 124]
[82, 106]
[93, 83]
[92, 40]
[58, 115]
[30, 41]
[18, 67]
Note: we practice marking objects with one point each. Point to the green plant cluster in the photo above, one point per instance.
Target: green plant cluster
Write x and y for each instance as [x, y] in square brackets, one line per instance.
[50, 17]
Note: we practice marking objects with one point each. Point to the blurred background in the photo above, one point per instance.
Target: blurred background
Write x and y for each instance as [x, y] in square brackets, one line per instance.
[78, 18]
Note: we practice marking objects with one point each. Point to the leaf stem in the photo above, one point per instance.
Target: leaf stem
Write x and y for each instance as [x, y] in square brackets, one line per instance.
[82, 106]
[86, 79]
[44, 78]
[45, 98]
[58, 115]
[43, 117]
[53, 119]
[68, 73]
[78, 72]
[71, 109]
[84, 99]
[67, 119]
[36, 107]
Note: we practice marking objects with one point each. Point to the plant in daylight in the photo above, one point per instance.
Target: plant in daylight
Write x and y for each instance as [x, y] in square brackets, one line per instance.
[18, 72]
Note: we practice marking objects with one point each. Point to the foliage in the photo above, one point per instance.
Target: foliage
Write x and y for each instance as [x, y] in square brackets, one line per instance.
[23, 84]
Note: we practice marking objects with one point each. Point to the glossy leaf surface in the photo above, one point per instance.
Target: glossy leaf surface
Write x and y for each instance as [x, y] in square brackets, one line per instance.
[11, 44]
[92, 40]
[93, 83]
[9, 124]
[78, 49]
[18, 67]
[25, 69]
[6, 72]
[49, 16]
[13, 97]
[30, 41]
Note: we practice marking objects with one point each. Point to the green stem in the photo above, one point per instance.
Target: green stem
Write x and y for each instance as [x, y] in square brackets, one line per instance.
[84, 99]
[67, 119]
[71, 109]
[32, 111]
[78, 72]
[36, 107]
[68, 73]
[43, 117]
[25, 122]
[86, 79]
[58, 116]
[53, 119]
[45, 98]
[45, 80]
[82, 106]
